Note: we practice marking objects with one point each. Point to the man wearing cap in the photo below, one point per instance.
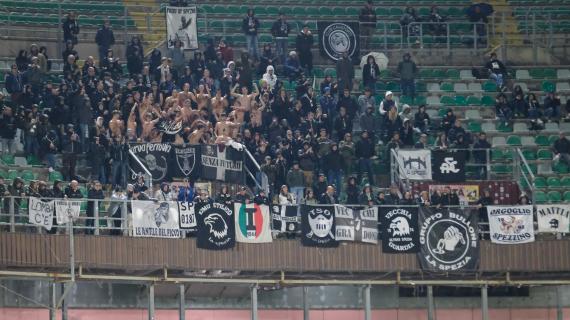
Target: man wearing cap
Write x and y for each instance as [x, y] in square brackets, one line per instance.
[422, 142]
[408, 70]
[304, 43]
[242, 196]
[292, 66]
[280, 31]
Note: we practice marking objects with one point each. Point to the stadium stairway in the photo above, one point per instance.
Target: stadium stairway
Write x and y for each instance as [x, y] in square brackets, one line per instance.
[509, 27]
[152, 25]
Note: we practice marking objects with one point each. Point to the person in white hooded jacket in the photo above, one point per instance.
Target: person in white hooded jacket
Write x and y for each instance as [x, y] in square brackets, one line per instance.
[270, 77]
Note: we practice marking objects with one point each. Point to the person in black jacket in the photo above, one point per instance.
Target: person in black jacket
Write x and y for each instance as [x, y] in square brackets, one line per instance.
[480, 148]
[364, 151]
[333, 163]
[135, 56]
[95, 192]
[105, 39]
[304, 43]
[280, 31]
[329, 197]
[71, 147]
[8, 127]
[370, 73]
[70, 28]
[98, 154]
[72, 191]
[351, 191]
[497, 70]
[118, 156]
[367, 20]
[242, 196]
[261, 199]
[485, 200]
[224, 196]
[249, 26]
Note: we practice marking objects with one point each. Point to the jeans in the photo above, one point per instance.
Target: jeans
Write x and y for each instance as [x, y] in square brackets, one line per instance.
[498, 77]
[298, 192]
[98, 172]
[365, 165]
[118, 171]
[252, 46]
[335, 177]
[281, 47]
[31, 146]
[408, 87]
[8, 146]
[550, 112]
[50, 157]
[102, 52]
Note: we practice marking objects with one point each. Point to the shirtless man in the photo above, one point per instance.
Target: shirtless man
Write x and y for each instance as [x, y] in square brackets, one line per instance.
[202, 96]
[186, 94]
[225, 130]
[219, 103]
[148, 124]
[245, 100]
[116, 125]
[196, 135]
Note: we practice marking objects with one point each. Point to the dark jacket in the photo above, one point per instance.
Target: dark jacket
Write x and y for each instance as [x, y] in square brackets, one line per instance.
[280, 29]
[367, 76]
[93, 194]
[14, 83]
[224, 198]
[325, 199]
[105, 37]
[562, 146]
[70, 30]
[496, 66]
[250, 25]
[8, 127]
[367, 15]
[364, 149]
[407, 69]
[73, 194]
[304, 42]
[352, 194]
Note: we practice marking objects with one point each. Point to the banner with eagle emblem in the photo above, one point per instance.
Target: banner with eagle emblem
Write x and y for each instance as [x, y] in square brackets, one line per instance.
[181, 26]
[216, 229]
[399, 227]
[155, 219]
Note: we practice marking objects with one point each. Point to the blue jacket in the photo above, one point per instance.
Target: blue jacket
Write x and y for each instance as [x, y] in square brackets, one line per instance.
[186, 194]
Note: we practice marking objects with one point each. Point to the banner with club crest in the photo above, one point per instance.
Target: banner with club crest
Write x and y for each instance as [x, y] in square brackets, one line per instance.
[400, 233]
[448, 239]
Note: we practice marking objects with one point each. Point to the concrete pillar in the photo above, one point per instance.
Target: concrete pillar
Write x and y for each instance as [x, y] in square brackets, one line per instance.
[367, 304]
[53, 301]
[63, 304]
[254, 302]
[181, 303]
[151, 301]
[559, 303]
[306, 306]
[431, 311]
[484, 304]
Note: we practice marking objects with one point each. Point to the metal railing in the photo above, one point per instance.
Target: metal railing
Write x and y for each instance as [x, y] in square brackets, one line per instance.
[525, 176]
[477, 34]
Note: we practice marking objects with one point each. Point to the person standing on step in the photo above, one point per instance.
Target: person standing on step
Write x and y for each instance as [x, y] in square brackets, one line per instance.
[250, 25]
[367, 19]
[105, 39]
[304, 44]
[70, 28]
[280, 31]
[407, 69]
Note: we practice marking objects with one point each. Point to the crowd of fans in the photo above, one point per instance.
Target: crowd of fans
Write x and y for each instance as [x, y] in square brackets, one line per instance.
[302, 138]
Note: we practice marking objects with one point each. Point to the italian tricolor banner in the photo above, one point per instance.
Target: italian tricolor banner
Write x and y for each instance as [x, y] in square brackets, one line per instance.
[253, 223]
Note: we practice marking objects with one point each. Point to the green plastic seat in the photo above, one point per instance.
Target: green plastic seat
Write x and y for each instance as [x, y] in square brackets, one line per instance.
[473, 101]
[501, 169]
[567, 196]
[536, 73]
[541, 140]
[540, 197]
[452, 74]
[565, 181]
[497, 154]
[12, 174]
[55, 175]
[28, 175]
[488, 101]
[426, 73]
[561, 168]
[544, 154]
[446, 86]
[548, 86]
[554, 196]
[553, 182]
[501, 127]
[8, 159]
[460, 101]
[474, 127]
[490, 86]
[529, 154]
[514, 140]
[439, 74]
[448, 101]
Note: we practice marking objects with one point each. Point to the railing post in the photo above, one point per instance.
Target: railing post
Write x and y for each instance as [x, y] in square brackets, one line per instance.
[12, 215]
[96, 217]
[504, 36]
[430, 302]
[488, 163]
[475, 36]
[484, 303]
[367, 303]
[124, 222]
[386, 37]
[448, 34]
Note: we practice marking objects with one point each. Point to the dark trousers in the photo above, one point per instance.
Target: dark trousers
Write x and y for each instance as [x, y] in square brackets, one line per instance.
[69, 163]
[306, 60]
[365, 165]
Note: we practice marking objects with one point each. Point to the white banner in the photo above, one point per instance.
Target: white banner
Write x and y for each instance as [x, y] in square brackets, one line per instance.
[181, 25]
[253, 223]
[187, 215]
[356, 224]
[41, 213]
[553, 218]
[414, 164]
[156, 219]
[511, 225]
[64, 209]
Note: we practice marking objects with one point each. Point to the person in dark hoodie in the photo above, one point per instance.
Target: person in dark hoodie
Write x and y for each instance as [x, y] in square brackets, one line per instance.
[304, 43]
[366, 198]
[104, 38]
[320, 186]
[71, 147]
[370, 73]
[249, 26]
[95, 192]
[224, 196]
[261, 199]
[70, 28]
[364, 151]
[352, 191]
[333, 164]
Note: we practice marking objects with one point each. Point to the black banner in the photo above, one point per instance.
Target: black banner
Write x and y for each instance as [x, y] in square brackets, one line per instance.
[222, 163]
[318, 226]
[154, 156]
[449, 166]
[400, 232]
[184, 162]
[285, 218]
[335, 38]
[216, 227]
[448, 240]
[167, 161]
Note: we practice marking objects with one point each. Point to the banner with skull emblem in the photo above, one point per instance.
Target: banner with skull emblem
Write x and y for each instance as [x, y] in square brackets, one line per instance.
[399, 227]
[553, 218]
[155, 219]
[318, 226]
[448, 239]
[356, 224]
[154, 156]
